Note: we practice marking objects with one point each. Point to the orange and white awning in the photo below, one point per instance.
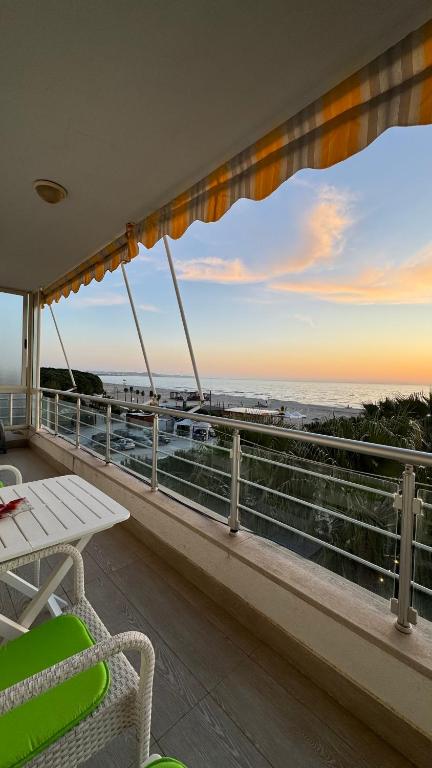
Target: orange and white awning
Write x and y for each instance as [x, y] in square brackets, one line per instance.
[393, 90]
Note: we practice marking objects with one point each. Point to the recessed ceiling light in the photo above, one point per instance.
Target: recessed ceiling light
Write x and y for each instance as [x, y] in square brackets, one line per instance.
[49, 191]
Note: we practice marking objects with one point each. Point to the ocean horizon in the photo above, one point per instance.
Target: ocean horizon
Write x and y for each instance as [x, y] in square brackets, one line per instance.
[325, 393]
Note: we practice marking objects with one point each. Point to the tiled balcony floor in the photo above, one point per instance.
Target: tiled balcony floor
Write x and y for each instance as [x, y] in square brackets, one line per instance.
[222, 699]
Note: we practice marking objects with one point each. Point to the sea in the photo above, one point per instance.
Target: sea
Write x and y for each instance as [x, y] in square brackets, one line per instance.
[324, 393]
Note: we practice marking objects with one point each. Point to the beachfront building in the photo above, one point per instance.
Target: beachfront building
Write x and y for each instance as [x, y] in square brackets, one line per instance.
[289, 602]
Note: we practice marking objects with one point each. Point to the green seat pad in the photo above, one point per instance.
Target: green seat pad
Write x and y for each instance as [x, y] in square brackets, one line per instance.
[29, 729]
[167, 762]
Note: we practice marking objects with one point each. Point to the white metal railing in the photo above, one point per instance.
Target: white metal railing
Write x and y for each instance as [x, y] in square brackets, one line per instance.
[55, 407]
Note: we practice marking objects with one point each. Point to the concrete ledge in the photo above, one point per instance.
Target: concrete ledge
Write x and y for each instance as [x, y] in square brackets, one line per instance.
[337, 633]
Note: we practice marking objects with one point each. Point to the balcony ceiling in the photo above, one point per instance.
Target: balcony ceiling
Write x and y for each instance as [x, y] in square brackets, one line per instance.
[128, 102]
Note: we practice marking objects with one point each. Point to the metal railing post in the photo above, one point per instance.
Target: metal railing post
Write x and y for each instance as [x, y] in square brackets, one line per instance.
[409, 506]
[77, 422]
[234, 518]
[39, 416]
[56, 414]
[108, 435]
[11, 409]
[154, 478]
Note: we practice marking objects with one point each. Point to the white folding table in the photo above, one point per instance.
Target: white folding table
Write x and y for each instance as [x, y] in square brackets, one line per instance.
[64, 509]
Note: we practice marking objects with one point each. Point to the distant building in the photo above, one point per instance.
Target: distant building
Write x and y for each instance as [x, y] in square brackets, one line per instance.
[254, 414]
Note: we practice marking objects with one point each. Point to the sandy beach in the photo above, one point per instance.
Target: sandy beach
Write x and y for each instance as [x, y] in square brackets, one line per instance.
[300, 412]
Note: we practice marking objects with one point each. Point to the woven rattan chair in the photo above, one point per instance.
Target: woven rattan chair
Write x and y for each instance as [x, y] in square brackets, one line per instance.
[127, 702]
[9, 469]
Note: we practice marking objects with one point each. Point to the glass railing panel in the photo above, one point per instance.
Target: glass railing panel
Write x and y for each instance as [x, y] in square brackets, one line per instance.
[47, 410]
[340, 519]
[67, 418]
[92, 429]
[193, 466]
[422, 570]
[131, 445]
[13, 409]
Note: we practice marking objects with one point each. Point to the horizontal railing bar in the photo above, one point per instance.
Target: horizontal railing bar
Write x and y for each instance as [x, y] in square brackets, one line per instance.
[421, 588]
[423, 547]
[393, 453]
[192, 485]
[326, 544]
[135, 440]
[194, 463]
[127, 456]
[324, 510]
[321, 476]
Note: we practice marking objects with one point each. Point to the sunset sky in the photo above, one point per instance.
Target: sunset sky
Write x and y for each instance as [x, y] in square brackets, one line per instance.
[329, 278]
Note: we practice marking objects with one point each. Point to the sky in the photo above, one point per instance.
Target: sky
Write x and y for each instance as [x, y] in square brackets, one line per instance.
[329, 278]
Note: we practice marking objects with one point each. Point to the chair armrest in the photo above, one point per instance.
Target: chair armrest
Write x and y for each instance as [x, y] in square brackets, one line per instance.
[16, 473]
[34, 686]
[63, 549]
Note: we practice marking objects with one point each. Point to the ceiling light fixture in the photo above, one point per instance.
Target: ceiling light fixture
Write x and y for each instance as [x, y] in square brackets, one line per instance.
[49, 191]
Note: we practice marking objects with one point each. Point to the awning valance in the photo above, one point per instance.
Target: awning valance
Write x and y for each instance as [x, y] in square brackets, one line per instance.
[393, 90]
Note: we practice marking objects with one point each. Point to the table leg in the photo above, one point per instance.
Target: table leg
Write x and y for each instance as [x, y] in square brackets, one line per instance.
[33, 609]
[10, 629]
[55, 603]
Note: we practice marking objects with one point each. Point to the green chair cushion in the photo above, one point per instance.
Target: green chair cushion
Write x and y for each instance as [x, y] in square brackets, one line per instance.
[167, 762]
[29, 729]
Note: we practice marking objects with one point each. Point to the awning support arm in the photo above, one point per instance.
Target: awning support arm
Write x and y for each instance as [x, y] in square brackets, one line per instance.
[183, 316]
[137, 325]
[62, 346]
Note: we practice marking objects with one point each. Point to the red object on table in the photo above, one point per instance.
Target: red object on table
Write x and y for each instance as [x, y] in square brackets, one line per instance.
[11, 507]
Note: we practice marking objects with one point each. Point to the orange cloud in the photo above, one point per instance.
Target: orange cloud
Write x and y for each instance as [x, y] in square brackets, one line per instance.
[408, 283]
[323, 231]
[322, 239]
[215, 270]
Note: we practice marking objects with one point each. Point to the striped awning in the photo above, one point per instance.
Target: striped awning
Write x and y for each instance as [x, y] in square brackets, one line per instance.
[393, 90]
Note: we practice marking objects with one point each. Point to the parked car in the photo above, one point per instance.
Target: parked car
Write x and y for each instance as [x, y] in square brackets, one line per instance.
[99, 437]
[202, 431]
[122, 433]
[143, 441]
[122, 444]
[162, 439]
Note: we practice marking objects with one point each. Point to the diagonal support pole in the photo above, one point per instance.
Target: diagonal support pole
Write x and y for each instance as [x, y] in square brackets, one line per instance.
[62, 346]
[183, 317]
[137, 325]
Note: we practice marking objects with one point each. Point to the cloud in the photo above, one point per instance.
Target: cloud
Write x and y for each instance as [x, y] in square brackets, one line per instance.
[216, 270]
[324, 229]
[104, 300]
[110, 299]
[322, 239]
[407, 283]
[305, 319]
[145, 258]
[148, 308]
